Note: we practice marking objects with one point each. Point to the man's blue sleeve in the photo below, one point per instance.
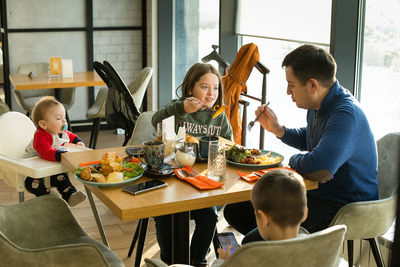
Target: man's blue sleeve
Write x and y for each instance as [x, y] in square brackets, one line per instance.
[333, 149]
[295, 138]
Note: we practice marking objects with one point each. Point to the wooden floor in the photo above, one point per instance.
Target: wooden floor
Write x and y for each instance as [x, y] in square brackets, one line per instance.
[119, 233]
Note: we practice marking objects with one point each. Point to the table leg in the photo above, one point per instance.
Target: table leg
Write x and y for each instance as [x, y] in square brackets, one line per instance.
[96, 217]
[180, 238]
[142, 237]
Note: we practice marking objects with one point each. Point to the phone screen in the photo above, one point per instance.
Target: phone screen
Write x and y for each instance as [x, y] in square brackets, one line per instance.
[144, 186]
[228, 239]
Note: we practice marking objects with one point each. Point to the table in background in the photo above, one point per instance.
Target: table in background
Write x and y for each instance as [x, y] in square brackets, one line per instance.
[44, 81]
[178, 198]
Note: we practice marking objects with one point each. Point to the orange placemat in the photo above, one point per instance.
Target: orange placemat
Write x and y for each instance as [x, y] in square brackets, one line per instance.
[199, 181]
[254, 176]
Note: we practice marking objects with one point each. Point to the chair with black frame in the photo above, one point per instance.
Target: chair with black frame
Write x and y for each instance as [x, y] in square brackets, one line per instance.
[236, 77]
[27, 99]
[120, 110]
[366, 220]
[97, 111]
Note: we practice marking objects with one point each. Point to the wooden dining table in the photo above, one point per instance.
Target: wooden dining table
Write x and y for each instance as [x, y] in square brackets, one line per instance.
[45, 81]
[178, 198]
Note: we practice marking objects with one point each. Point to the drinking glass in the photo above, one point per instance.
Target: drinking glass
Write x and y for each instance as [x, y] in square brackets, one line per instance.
[216, 160]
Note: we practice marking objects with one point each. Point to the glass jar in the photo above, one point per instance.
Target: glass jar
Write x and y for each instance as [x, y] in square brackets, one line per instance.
[184, 154]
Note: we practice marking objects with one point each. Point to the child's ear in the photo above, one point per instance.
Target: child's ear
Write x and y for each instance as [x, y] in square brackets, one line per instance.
[42, 124]
[264, 218]
[305, 215]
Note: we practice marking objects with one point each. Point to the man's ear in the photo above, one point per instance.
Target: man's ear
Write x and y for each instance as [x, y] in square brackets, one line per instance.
[305, 215]
[264, 217]
[42, 124]
[314, 85]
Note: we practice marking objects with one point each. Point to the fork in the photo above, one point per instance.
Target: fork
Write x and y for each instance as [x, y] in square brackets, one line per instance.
[251, 124]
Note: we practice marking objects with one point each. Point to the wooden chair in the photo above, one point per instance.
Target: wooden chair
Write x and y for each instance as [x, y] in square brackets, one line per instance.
[224, 65]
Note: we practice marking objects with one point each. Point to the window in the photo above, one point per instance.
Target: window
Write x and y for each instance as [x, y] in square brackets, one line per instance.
[196, 29]
[379, 94]
[273, 46]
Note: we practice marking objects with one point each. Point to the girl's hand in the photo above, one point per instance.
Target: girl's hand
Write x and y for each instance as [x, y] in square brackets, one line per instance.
[269, 121]
[223, 254]
[192, 104]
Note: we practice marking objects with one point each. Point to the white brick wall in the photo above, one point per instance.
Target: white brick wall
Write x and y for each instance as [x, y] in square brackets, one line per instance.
[123, 49]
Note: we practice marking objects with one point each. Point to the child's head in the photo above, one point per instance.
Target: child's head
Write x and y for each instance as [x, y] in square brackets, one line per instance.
[279, 199]
[203, 81]
[49, 114]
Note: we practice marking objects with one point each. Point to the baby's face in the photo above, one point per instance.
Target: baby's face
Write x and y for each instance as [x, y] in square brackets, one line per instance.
[55, 119]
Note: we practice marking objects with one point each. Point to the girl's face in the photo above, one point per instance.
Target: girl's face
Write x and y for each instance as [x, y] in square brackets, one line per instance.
[206, 89]
[54, 120]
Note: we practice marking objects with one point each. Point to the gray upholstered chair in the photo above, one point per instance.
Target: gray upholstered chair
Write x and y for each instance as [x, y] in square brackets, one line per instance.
[144, 130]
[370, 219]
[3, 107]
[139, 85]
[28, 98]
[43, 232]
[97, 112]
[318, 249]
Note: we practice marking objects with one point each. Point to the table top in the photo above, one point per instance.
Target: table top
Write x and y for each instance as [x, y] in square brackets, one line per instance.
[178, 196]
[44, 81]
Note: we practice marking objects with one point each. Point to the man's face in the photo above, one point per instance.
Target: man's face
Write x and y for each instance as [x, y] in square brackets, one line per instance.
[301, 94]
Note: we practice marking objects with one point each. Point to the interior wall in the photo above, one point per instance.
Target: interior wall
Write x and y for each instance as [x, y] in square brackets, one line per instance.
[122, 48]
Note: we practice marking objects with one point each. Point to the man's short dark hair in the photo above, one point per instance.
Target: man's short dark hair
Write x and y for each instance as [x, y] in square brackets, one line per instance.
[282, 195]
[309, 61]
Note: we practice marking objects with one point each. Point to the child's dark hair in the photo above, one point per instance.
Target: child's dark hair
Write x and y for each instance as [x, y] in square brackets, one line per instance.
[282, 195]
[194, 74]
[40, 109]
[309, 61]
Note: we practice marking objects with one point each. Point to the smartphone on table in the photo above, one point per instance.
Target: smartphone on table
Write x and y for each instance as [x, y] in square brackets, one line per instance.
[227, 239]
[144, 186]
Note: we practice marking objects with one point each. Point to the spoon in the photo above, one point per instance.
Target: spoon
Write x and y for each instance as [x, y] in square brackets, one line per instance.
[184, 174]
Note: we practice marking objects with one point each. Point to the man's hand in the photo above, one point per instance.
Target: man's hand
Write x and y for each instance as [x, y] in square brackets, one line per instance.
[192, 104]
[223, 254]
[269, 121]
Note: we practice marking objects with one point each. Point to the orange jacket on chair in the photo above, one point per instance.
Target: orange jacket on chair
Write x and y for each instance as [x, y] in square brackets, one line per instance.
[235, 82]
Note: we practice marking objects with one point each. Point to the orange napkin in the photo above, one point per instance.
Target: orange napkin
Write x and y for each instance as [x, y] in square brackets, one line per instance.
[254, 176]
[199, 181]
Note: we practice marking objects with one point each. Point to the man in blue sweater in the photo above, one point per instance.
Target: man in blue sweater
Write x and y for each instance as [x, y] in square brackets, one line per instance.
[341, 155]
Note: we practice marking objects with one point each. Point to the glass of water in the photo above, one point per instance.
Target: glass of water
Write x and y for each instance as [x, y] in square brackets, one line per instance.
[216, 160]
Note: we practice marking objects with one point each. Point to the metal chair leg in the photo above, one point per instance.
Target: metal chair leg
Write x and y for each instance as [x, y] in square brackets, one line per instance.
[134, 239]
[376, 252]
[96, 217]
[94, 133]
[350, 246]
[142, 237]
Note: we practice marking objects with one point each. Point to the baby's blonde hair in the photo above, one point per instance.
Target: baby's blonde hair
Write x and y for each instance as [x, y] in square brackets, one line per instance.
[41, 108]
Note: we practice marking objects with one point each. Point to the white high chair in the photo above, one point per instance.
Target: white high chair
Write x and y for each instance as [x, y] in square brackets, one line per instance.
[16, 132]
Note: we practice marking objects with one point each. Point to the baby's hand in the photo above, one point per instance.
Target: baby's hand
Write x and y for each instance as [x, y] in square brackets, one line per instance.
[81, 144]
[192, 104]
[223, 254]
